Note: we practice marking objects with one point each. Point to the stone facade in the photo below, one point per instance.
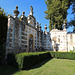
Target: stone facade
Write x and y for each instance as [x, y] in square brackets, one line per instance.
[59, 38]
[71, 41]
[26, 35]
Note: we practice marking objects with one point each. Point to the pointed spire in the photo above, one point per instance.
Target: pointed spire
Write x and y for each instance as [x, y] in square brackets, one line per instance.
[31, 12]
[16, 12]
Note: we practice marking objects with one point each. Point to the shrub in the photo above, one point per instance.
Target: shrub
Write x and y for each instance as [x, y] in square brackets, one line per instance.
[71, 51]
[27, 60]
[63, 55]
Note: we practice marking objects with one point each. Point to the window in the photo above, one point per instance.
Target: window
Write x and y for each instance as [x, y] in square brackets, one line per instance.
[26, 27]
[58, 40]
[11, 25]
[11, 35]
[26, 31]
[10, 40]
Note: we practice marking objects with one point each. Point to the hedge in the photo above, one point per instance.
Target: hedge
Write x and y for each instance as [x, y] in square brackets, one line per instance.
[63, 55]
[27, 60]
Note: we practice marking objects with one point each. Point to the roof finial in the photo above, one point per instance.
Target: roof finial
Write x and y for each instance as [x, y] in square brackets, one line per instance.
[23, 18]
[16, 12]
[16, 7]
[36, 25]
[45, 26]
[64, 24]
[31, 8]
[31, 12]
[23, 13]
[39, 26]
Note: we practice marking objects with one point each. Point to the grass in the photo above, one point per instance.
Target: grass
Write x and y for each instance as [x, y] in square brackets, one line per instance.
[48, 67]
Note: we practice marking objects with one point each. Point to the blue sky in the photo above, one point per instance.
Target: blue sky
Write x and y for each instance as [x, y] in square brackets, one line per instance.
[39, 7]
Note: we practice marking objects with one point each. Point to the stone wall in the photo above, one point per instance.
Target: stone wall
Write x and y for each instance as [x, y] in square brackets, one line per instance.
[71, 41]
[59, 40]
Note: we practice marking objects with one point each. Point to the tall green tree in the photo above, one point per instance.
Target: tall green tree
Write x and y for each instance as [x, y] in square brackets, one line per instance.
[3, 34]
[2, 12]
[56, 12]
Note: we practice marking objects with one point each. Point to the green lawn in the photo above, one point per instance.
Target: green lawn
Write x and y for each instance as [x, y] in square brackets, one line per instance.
[48, 67]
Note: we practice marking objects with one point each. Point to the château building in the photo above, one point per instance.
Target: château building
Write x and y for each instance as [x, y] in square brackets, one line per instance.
[26, 35]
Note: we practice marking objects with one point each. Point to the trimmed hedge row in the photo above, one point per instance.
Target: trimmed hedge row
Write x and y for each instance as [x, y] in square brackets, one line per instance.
[27, 60]
[63, 55]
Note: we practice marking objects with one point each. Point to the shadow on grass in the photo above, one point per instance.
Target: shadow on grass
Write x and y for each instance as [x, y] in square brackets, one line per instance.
[40, 64]
[9, 70]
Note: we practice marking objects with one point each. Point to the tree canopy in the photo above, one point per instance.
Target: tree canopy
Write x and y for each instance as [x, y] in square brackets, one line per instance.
[3, 34]
[56, 12]
[2, 12]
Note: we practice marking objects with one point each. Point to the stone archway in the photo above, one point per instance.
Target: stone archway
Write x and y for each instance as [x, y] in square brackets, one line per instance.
[31, 41]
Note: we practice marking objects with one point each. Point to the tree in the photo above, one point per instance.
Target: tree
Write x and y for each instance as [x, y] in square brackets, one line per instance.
[56, 12]
[3, 34]
[2, 12]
